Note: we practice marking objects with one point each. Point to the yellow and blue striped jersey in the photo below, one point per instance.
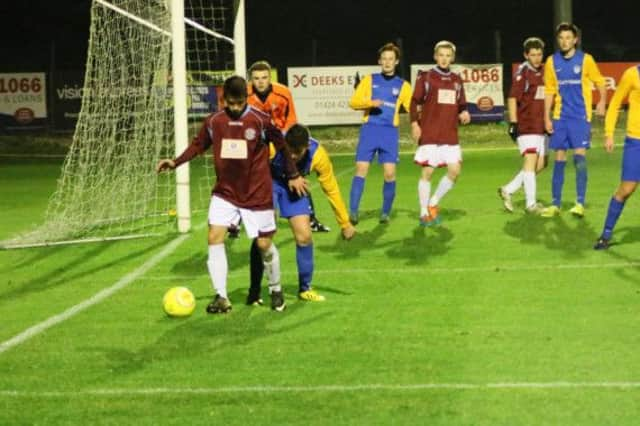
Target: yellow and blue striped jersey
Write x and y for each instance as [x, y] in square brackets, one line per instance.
[317, 160]
[570, 79]
[629, 86]
[392, 91]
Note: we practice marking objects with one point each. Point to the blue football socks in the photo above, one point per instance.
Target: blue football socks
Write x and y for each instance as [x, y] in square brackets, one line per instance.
[388, 194]
[581, 177]
[557, 181]
[615, 209]
[304, 259]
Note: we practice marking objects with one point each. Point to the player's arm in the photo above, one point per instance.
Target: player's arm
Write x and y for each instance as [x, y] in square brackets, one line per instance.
[463, 113]
[624, 87]
[550, 92]
[405, 96]
[593, 73]
[297, 183]
[417, 99]
[404, 102]
[321, 164]
[291, 117]
[515, 94]
[361, 98]
[200, 144]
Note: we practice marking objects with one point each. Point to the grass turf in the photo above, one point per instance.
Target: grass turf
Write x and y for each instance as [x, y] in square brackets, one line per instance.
[419, 326]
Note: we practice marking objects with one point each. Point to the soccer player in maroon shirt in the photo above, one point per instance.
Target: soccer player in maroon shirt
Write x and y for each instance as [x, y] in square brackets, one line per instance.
[238, 137]
[526, 114]
[440, 93]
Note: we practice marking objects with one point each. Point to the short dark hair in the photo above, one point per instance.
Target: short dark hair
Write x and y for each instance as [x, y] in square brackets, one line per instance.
[390, 47]
[259, 66]
[297, 137]
[235, 87]
[567, 26]
[533, 43]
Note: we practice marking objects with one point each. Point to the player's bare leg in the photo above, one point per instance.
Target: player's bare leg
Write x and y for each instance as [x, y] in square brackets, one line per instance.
[218, 269]
[388, 190]
[357, 187]
[300, 226]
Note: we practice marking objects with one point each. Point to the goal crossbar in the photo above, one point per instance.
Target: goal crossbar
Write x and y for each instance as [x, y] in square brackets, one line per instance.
[154, 27]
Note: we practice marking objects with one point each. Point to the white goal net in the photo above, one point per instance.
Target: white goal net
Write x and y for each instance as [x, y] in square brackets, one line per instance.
[108, 187]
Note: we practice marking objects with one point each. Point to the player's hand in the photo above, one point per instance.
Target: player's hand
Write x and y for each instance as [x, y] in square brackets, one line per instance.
[608, 143]
[376, 103]
[299, 185]
[349, 232]
[416, 131]
[601, 108]
[513, 131]
[165, 164]
[548, 125]
[464, 117]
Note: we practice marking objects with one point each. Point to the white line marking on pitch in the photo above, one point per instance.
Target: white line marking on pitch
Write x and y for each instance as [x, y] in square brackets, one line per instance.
[101, 295]
[517, 268]
[96, 298]
[322, 388]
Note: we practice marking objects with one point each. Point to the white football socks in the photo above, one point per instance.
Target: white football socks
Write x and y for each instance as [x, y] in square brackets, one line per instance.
[515, 183]
[424, 192]
[271, 261]
[217, 265]
[444, 186]
[530, 187]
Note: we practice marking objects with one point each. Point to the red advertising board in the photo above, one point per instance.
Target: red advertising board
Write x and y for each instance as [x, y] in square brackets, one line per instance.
[612, 72]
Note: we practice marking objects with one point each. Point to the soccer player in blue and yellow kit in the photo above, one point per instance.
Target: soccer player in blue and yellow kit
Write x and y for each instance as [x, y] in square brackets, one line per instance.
[379, 96]
[629, 86]
[568, 75]
[309, 156]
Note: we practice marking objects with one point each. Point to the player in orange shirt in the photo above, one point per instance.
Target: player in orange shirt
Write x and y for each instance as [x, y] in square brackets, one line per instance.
[275, 99]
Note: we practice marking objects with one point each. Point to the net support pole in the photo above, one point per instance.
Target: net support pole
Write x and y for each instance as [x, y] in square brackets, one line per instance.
[181, 130]
[239, 41]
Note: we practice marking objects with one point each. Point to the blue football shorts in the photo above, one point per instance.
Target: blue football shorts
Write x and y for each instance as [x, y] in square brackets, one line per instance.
[631, 160]
[570, 134]
[288, 203]
[382, 140]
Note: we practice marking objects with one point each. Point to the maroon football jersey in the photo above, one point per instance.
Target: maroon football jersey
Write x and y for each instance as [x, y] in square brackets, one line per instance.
[240, 151]
[527, 88]
[441, 94]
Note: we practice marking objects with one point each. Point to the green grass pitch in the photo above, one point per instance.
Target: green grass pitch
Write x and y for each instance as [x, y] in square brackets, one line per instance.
[490, 318]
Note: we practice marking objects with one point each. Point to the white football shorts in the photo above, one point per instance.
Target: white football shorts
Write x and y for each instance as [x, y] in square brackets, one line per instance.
[437, 155]
[532, 144]
[256, 222]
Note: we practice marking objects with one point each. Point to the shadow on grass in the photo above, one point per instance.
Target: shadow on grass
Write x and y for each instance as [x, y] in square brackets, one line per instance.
[571, 236]
[358, 245]
[208, 335]
[629, 235]
[64, 272]
[424, 244]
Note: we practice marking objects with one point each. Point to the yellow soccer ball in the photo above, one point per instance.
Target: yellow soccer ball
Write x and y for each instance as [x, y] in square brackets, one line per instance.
[178, 302]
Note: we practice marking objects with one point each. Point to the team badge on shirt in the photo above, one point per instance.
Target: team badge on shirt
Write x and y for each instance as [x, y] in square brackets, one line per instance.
[395, 91]
[250, 133]
[576, 69]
